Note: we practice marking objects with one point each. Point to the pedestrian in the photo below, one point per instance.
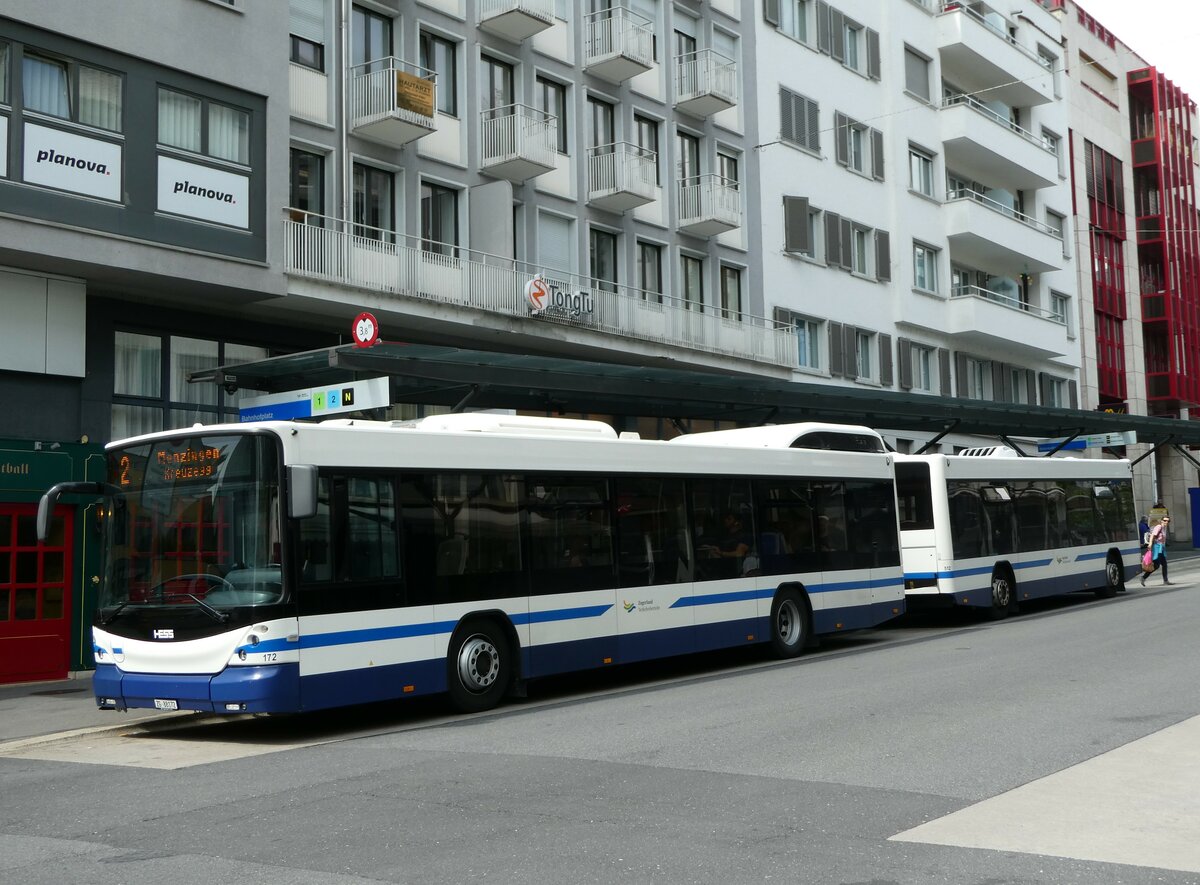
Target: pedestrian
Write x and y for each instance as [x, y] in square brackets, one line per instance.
[1144, 531]
[1158, 548]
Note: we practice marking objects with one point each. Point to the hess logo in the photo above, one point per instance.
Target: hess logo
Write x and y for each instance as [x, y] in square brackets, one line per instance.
[164, 634]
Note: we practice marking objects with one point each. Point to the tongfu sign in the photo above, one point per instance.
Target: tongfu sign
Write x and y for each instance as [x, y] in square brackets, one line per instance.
[548, 298]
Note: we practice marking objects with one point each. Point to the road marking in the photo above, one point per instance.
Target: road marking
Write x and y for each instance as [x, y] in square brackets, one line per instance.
[1138, 804]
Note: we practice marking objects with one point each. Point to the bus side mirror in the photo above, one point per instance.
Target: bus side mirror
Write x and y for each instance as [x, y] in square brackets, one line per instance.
[45, 510]
[302, 491]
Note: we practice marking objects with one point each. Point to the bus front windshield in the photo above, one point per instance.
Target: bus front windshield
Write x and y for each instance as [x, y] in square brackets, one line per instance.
[197, 524]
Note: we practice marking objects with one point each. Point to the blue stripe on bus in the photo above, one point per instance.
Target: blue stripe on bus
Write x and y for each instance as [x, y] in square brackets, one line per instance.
[562, 614]
[768, 592]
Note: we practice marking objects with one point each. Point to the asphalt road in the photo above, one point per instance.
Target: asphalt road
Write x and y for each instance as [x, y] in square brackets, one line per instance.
[1059, 746]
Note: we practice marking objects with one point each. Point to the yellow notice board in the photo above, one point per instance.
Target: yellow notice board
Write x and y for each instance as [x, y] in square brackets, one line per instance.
[414, 93]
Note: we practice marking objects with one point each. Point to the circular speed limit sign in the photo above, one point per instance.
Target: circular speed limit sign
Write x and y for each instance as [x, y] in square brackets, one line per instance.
[365, 330]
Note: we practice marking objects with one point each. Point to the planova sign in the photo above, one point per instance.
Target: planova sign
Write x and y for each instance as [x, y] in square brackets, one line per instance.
[203, 193]
[74, 163]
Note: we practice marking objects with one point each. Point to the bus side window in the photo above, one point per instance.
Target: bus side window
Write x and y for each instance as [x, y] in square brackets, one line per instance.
[316, 539]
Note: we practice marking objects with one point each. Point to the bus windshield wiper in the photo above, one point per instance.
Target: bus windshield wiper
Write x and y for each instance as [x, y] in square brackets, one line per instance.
[113, 614]
[208, 609]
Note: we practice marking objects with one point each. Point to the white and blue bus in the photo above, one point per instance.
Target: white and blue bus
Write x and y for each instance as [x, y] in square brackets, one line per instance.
[989, 529]
[284, 567]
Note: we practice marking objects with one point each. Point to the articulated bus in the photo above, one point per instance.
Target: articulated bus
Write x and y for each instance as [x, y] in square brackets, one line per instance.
[989, 529]
[285, 567]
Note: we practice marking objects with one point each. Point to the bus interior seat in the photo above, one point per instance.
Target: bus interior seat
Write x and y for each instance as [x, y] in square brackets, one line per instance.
[452, 556]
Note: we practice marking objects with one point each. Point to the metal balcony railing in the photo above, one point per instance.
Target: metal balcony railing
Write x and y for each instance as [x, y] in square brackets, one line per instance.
[996, 117]
[392, 87]
[354, 255]
[618, 31]
[622, 168]
[1010, 301]
[711, 197]
[516, 19]
[521, 133]
[1002, 209]
[703, 73]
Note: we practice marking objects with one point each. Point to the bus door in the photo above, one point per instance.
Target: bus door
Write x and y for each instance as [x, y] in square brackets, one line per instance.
[732, 597]
[35, 597]
[918, 540]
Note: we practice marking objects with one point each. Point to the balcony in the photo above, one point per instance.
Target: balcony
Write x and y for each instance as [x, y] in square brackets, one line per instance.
[982, 143]
[985, 233]
[709, 205]
[977, 53]
[617, 44]
[392, 102]
[705, 83]
[516, 20]
[980, 318]
[621, 176]
[518, 142]
[422, 279]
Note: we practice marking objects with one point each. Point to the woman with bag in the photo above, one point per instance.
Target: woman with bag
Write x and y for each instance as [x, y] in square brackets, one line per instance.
[1157, 551]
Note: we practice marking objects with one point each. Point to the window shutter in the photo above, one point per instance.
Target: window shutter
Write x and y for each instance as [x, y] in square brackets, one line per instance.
[916, 74]
[835, 349]
[841, 135]
[872, 54]
[308, 19]
[1031, 386]
[823, 26]
[554, 243]
[1001, 392]
[837, 35]
[877, 154]
[904, 358]
[787, 117]
[883, 255]
[943, 371]
[771, 12]
[847, 237]
[813, 125]
[1043, 388]
[850, 351]
[960, 368]
[1073, 392]
[833, 239]
[885, 360]
[795, 224]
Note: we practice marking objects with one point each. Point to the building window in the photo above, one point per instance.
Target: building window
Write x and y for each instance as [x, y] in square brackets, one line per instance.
[370, 39]
[308, 53]
[603, 248]
[793, 18]
[727, 168]
[922, 368]
[808, 343]
[180, 125]
[856, 138]
[860, 254]
[1057, 224]
[552, 102]
[979, 379]
[691, 279]
[4, 55]
[439, 219]
[925, 262]
[688, 159]
[799, 121]
[307, 184]
[1018, 388]
[920, 171]
[1060, 309]
[858, 147]
[916, 74]
[47, 89]
[647, 140]
[1056, 392]
[731, 293]
[441, 56]
[864, 365]
[497, 86]
[649, 268]
[853, 46]
[602, 125]
[373, 202]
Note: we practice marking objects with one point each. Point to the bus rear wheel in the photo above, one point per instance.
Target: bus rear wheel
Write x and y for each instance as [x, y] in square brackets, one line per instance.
[1004, 594]
[1114, 578]
[479, 667]
[789, 624]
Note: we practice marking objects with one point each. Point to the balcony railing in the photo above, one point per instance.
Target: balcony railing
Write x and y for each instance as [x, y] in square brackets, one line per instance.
[621, 176]
[518, 142]
[392, 101]
[705, 82]
[709, 205]
[332, 250]
[996, 117]
[516, 20]
[617, 44]
[1002, 209]
[1009, 301]
[990, 19]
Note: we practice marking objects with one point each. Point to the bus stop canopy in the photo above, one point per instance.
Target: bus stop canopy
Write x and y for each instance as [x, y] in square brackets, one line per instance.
[449, 376]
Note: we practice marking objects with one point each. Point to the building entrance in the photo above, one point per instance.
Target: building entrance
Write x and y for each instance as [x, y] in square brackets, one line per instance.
[35, 595]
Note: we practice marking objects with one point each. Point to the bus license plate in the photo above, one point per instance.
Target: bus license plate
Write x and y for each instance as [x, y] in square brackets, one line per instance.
[160, 704]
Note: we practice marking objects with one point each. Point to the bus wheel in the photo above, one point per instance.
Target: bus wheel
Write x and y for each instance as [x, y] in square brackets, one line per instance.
[1114, 578]
[789, 624]
[479, 667]
[1003, 595]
